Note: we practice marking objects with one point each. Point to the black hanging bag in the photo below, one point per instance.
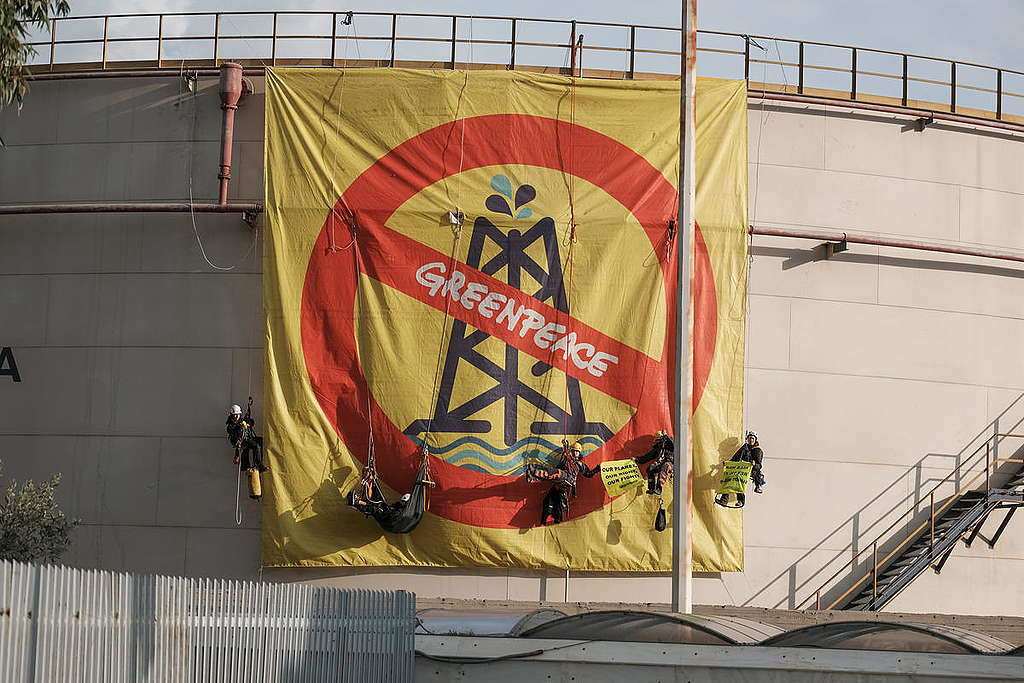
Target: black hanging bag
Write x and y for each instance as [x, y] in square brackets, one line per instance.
[659, 521]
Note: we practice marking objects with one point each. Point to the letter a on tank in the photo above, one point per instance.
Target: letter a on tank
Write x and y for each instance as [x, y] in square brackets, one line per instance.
[7, 365]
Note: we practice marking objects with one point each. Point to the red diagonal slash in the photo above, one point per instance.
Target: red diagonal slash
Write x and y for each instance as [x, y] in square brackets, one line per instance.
[614, 381]
[328, 316]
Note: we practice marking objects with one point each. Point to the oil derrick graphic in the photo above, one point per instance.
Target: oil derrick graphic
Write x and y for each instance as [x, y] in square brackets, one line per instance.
[508, 388]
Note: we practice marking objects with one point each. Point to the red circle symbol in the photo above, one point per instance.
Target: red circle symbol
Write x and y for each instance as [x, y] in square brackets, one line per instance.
[329, 293]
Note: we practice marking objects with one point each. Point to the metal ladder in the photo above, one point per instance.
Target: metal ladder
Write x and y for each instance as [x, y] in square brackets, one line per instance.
[931, 542]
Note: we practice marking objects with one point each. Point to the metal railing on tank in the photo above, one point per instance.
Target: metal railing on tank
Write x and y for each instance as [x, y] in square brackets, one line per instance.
[799, 68]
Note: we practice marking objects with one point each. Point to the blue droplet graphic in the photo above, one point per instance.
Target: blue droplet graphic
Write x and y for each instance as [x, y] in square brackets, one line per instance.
[502, 184]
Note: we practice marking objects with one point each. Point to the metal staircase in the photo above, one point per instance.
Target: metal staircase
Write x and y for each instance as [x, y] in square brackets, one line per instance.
[919, 540]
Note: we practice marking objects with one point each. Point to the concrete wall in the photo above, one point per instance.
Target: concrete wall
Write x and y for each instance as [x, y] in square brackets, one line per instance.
[869, 376]
[129, 345]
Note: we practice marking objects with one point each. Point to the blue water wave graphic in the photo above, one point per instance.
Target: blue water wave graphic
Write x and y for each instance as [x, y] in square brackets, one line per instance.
[482, 457]
[466, 457]
[535, 441]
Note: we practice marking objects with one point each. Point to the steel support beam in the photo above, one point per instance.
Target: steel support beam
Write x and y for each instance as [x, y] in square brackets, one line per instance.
[942, 559]
[1002, 527]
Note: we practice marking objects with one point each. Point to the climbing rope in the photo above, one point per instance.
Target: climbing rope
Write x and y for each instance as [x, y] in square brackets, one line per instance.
[344, 214]
[757, 187]
[458, 218]
[238, 497]
[572, 129]
[568, 321]
[370, 470]
[444, 326]
[462, 140]
[568, 460]
[255, 325]
[341, 211]
[571, 240]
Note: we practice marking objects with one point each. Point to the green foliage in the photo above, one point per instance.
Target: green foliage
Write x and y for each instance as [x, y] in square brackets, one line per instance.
[17, 18]
[32, 526]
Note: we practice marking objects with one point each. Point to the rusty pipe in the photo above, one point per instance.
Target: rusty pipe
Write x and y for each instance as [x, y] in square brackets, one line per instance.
[836, 236]
[130, 207]
[231, 91]
[572, 51]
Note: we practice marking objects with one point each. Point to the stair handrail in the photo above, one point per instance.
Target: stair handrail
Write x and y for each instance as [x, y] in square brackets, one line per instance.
[990, 464]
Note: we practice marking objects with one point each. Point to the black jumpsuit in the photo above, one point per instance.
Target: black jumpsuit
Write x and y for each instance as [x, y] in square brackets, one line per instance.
[248, 446]
[556, 502]
[660, 470]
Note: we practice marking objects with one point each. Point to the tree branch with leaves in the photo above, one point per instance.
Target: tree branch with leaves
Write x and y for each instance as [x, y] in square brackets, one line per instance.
[32, 526]
[17, 19]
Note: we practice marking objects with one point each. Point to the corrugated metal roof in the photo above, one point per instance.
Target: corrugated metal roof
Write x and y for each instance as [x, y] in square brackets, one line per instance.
[980, 641]
[444, 622]
[900, 637]
[663, 627]
[655, 627]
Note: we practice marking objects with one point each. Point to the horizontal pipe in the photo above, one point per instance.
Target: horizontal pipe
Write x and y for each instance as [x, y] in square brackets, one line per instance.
[881, 242]
[257, 207]
[131, 207]
[886, 108]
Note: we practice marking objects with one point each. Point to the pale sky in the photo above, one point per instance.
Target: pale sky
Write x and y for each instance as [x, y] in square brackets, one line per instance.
[982, 31]
[986, 32]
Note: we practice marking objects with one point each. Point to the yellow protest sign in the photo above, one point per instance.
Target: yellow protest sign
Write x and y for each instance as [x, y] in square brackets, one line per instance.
[619, 476]
[734, 477]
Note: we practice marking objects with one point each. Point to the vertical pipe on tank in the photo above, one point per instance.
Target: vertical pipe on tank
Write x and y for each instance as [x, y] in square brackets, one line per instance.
[572, 51]
[230, 93]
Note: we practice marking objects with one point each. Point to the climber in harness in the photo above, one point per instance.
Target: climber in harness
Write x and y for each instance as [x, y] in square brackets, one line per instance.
[242, 435]
[749, 452]
[248, 447]
[556, 502]
[399, 517]
[661, 455]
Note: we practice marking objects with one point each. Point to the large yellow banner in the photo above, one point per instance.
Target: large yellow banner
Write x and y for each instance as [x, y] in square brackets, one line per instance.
[478, 266]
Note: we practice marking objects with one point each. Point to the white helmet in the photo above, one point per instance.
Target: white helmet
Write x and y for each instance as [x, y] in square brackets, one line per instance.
[750, 433]
[236, 410]
[406, 497]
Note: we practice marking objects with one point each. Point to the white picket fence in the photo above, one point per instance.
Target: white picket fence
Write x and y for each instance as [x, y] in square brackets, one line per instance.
[62, 624]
